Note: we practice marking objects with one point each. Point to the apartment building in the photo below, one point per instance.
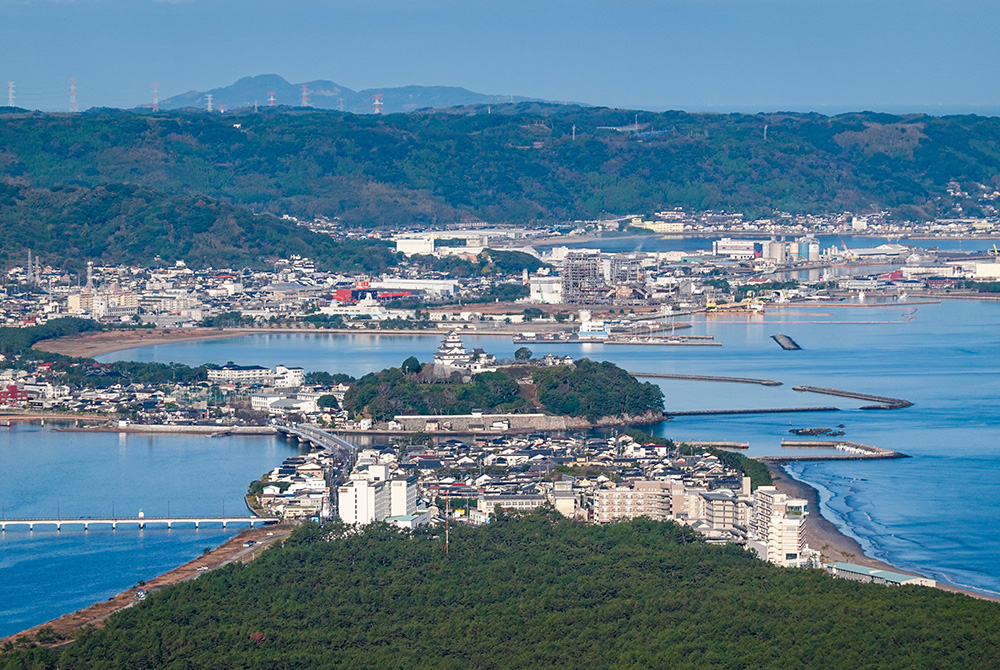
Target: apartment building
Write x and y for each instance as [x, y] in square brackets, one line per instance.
[651, 499]
[778, 525]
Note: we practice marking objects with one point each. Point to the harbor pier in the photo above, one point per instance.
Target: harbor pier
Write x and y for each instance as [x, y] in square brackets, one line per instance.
[134, 522]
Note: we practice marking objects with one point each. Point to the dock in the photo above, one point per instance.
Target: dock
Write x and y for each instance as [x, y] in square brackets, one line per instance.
[883, 402]
[680, 341]
[708, 378]
[768, 410]
[785, 342]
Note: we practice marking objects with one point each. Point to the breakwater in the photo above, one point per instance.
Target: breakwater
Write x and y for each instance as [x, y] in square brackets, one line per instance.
[854, 451]
[716, 444]
[883, 402]
[681, 341]
[768, 410]
[786, 342]
[708, 378]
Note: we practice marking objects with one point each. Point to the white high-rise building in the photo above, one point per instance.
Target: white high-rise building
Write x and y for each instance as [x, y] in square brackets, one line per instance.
[289, 378]
[402, 496]
[369, 497]
[778, 523]
[360, 502]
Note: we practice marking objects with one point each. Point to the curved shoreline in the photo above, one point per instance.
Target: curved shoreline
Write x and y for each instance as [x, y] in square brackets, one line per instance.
[823, 535]
[90, 345]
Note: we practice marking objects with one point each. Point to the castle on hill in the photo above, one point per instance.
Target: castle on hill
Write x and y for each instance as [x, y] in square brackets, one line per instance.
[452, 356]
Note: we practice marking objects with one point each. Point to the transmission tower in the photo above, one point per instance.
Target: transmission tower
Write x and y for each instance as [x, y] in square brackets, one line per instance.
[10, 94]
[208, 101]
[270, 98]
[377, 103]
[305, 95]
[156, 96]
[72, 96]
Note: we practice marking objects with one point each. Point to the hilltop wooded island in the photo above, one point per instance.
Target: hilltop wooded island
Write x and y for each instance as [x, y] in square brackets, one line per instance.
[586, 389]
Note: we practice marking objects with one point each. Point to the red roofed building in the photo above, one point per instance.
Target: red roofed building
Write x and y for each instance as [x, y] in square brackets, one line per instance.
[12, 394]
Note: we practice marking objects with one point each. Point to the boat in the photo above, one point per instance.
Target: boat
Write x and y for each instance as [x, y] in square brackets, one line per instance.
[544, 338]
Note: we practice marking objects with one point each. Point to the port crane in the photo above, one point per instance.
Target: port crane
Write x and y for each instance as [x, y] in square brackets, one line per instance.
[850, 254]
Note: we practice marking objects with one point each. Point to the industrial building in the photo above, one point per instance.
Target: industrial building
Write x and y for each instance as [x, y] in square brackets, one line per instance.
[595, 279]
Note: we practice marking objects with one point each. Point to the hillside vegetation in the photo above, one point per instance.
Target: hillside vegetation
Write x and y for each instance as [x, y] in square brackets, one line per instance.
[124, 223]
[383, 395]
[536, 592]
[122, 184]
[587, 389]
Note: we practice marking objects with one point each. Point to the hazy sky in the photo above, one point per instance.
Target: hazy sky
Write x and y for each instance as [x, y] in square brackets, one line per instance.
[804, 55]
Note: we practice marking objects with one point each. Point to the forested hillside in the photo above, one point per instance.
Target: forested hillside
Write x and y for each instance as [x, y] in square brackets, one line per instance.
[586, 389]
[540, 592]
[124, 223]
[113, 173]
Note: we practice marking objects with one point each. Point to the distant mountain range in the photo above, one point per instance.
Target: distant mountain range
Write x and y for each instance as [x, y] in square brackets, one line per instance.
[322, 94]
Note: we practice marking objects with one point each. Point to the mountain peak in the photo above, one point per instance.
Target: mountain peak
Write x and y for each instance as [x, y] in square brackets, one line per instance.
[324, 94]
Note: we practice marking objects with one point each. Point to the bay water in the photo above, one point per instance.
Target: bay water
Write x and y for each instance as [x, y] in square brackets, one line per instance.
[47, 473]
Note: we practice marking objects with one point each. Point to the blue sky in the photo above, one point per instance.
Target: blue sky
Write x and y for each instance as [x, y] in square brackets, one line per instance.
[720, 55]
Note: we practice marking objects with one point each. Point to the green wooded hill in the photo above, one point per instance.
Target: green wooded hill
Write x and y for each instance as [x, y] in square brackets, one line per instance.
[132, 176]
[535, 592]
[588, 389]
[126, 223]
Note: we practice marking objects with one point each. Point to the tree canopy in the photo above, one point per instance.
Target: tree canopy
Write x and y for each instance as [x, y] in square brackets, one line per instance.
[595, 390]
[531, 592]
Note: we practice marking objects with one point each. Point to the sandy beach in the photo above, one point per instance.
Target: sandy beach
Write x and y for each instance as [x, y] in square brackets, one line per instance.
[89, 345]
[823, 536]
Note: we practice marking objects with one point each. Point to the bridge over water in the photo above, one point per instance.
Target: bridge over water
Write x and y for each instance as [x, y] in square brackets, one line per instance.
[137, 522]
[311, 435]
[321, 438]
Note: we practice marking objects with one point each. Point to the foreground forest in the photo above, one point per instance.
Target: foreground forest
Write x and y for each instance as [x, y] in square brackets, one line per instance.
[536, 592]
[119, 184]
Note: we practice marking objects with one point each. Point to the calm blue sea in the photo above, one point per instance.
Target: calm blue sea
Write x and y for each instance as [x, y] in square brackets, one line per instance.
[936, 512]
[48, 473]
